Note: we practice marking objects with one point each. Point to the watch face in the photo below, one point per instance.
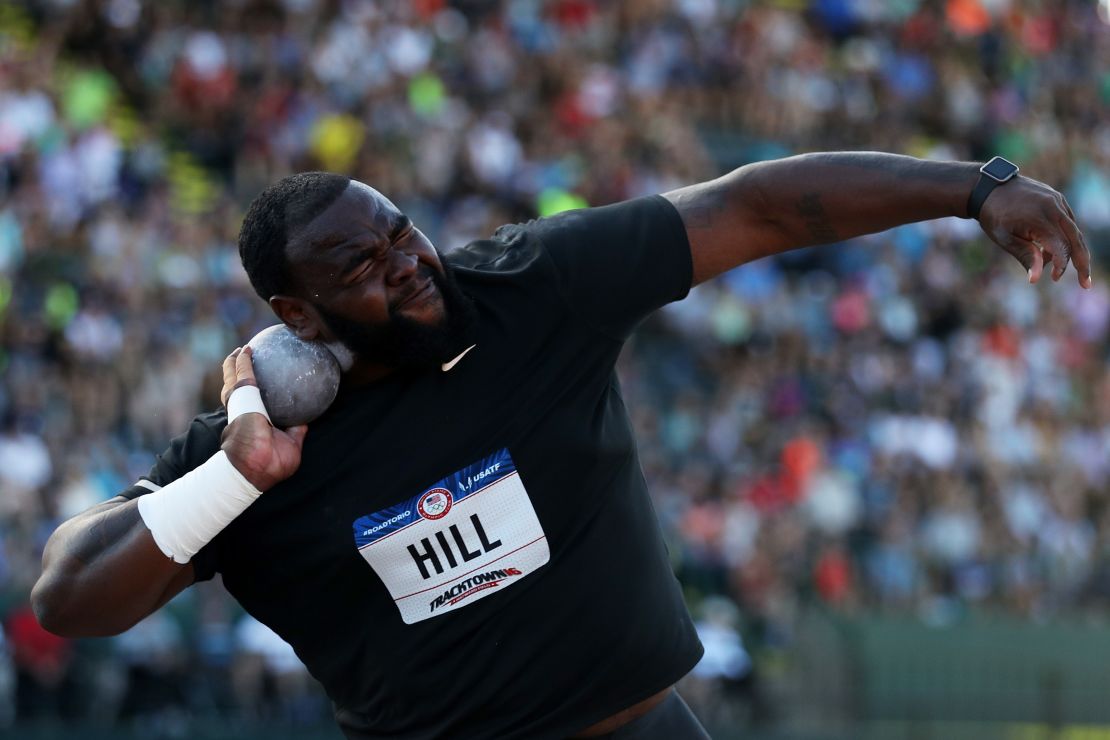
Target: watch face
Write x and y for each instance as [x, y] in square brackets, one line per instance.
[999, 169]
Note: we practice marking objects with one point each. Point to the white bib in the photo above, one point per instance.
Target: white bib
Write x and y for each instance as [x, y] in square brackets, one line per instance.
[470, 535]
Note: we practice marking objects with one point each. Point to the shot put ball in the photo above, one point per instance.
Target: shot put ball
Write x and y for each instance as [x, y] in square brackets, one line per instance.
[298, 379]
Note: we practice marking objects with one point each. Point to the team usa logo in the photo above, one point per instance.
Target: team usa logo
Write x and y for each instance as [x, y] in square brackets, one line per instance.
[435, 503]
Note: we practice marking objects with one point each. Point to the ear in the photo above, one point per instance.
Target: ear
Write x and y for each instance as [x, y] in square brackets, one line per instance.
[298, 314]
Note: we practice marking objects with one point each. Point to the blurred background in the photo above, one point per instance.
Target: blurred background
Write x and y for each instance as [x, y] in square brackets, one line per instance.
[881, 466]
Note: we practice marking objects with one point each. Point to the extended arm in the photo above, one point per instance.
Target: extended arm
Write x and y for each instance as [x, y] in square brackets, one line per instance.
[102, 573]
[771, 207]
[105, 569]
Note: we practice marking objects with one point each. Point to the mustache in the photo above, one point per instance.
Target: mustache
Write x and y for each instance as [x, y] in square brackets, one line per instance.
[424, 273]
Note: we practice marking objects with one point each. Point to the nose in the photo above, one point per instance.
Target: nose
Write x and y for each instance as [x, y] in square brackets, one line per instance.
[402, 266]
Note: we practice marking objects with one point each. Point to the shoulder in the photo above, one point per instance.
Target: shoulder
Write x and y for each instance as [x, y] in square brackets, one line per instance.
[207, 428]
[512, 248]
[650, 217]
[515, 247]
[184, 453]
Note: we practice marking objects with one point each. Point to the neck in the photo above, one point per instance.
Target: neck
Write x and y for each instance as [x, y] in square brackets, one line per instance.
[355, 371]
[365, 373]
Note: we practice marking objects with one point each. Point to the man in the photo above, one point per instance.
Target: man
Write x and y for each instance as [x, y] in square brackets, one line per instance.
[464, 546]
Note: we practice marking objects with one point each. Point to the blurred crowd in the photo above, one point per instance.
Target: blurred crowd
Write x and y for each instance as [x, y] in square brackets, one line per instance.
[899, 423]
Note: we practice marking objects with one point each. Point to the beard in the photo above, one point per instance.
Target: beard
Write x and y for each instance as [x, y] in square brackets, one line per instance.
[403, 343]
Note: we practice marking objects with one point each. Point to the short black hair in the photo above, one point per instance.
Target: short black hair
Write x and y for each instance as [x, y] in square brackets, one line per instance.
[277, 212]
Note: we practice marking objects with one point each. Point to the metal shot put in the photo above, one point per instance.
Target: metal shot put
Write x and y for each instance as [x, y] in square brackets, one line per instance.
[298, 380]
[463, 546]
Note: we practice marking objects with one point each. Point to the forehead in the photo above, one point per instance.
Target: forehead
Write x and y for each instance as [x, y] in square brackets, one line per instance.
[360, 213]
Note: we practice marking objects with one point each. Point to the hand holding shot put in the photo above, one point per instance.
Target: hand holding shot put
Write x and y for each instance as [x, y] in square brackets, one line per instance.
[263, 453]
[472, 514]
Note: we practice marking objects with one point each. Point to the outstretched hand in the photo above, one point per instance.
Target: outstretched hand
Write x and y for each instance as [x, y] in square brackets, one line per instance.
[264, 454]
[1035, 224]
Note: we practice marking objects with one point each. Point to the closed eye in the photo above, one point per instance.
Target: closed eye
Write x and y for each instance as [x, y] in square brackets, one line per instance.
[360, 266]
[361, 272]
[401, 230]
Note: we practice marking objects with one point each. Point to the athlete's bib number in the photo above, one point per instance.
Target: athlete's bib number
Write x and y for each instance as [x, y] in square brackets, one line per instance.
[470, 535]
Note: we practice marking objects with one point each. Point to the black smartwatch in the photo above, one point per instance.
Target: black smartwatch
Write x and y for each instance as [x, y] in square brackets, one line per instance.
[991, 175]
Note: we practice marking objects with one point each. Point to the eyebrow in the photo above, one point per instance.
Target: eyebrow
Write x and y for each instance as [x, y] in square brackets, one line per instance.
[399, 224]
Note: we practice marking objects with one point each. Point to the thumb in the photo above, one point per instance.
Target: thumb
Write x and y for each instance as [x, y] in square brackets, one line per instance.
[1028, 254]
[1037, 267]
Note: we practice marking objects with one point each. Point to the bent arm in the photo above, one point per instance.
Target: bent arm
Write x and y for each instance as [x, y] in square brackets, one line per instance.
[770, 207]
[102, 573]
[107, 568]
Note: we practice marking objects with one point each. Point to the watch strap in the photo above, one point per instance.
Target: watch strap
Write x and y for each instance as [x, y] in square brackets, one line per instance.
[986, 184]
[979, 195]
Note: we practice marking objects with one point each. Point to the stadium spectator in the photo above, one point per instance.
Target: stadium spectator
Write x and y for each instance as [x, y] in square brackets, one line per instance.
[865, 426]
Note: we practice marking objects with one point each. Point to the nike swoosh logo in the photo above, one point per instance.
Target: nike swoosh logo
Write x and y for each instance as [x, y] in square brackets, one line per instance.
[448, 365]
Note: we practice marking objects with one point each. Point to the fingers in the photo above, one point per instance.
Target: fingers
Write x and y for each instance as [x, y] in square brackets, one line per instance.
[238, 371]
[244, 370]
[1056, 252]
[1066, 243]
[1037, 267]
[1029, 255]
[229, 375]
[1080, 253]
[1035, 224]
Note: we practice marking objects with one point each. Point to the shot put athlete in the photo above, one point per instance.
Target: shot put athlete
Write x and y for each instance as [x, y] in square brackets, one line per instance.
[462, 546]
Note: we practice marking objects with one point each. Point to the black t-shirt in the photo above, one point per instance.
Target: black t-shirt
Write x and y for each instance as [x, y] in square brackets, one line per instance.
[473, 553]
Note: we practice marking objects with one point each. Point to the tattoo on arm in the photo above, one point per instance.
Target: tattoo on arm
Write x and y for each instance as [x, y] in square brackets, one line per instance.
[816, 220]
[894, 165]
[104, 532]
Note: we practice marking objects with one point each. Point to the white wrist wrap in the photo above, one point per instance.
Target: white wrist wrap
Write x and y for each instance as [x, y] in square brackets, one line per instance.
[246, 399]
[185, 515]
